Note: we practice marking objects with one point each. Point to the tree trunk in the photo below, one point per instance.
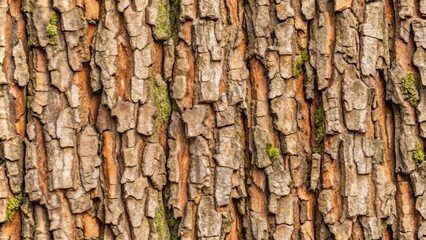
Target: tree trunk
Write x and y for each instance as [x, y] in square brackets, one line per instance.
[212, 119]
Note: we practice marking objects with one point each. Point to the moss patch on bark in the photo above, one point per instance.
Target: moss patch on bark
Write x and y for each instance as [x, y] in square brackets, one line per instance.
[162, 100]
[304, 57]
[162, 29]
[160, 220]
[13, 204]
[418, 156]
[409, 89]
[273, 152]
[319, 125]
[52, 29]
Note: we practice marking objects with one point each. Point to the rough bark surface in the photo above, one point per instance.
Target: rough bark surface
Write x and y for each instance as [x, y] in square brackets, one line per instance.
[212, 119]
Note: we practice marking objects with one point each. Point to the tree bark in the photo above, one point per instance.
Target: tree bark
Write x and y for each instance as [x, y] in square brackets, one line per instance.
[212, 119]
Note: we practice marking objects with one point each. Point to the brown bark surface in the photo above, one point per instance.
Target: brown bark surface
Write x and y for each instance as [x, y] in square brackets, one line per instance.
[212, 119]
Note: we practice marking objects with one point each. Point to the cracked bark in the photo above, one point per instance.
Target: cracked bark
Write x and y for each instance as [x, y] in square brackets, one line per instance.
[212, 119]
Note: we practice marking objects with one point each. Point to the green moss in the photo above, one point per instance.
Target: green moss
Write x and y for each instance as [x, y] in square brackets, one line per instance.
[162, 29]
[172, 223]
[304, 57]
[272, 152]
[173, 227]
[418, 155]
[291, 184]
[319, 125]
[162, 101]
[160, 220]
[409, 89]
[227, 223]
[13, 204]
[52, 29]
[298, 67]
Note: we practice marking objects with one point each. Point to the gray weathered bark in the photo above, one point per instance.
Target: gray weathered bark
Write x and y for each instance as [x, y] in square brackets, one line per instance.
[209, 119]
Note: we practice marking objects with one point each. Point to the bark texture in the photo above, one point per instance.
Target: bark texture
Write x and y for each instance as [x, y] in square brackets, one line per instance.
[212, 119]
